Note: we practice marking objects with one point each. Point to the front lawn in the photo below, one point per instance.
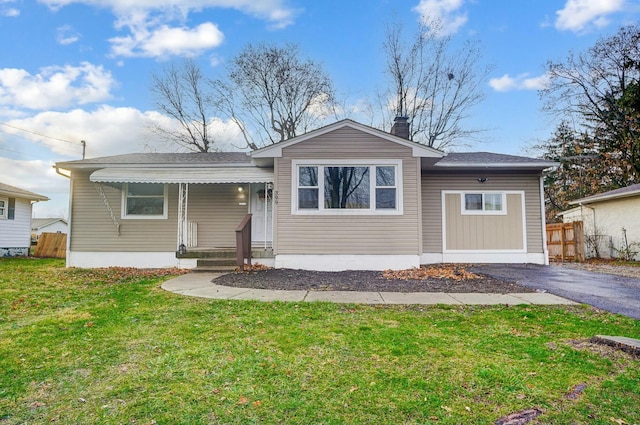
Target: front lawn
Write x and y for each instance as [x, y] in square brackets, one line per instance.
[111, 347]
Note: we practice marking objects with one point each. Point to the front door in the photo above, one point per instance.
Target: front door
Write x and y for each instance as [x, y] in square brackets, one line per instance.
[262, 219]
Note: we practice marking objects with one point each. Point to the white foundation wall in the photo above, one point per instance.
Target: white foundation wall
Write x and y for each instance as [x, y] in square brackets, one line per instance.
[142, 260]
[484, 257]
[346, 262]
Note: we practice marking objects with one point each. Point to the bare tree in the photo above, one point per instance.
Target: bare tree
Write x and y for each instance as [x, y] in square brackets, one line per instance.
[598, 89]
[432, 84]
[183, 94]
[273, 94]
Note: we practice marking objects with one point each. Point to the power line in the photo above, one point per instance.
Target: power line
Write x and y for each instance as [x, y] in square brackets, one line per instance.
[75, 148]
[23, 153]
[37, 134]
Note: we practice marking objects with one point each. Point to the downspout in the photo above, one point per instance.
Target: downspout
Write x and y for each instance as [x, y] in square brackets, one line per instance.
[545, 249]
[69, 218]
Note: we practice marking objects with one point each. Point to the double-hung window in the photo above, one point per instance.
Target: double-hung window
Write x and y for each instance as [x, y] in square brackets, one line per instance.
[339, 187]
[484, 203]
[144, 200]
[4, 203]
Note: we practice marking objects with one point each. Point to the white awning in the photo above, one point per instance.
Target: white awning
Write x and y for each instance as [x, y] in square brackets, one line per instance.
[183, 175]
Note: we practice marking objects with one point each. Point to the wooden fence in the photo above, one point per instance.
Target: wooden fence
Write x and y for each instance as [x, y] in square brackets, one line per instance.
[51, 245]
[565, 241]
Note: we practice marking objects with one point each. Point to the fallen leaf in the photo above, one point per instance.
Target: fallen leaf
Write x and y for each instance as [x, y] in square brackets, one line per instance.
[256, 403]
[243, 401]
[618, 421]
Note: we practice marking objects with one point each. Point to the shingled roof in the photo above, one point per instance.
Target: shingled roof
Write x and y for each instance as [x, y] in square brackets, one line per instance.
[489, 159]
[166, 159]
[625, 192]
[16, 192]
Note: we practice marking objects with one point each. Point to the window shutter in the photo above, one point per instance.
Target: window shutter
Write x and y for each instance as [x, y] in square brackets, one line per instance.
[11, 213]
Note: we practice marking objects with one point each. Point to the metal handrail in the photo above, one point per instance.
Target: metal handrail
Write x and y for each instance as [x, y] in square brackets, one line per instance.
[243, 242]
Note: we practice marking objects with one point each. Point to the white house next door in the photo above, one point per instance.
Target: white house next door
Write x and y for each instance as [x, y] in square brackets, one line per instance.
[262, 219]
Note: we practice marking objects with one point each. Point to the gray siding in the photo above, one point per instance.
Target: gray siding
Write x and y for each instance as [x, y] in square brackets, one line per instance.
[92, 229]
[342, 234]
[217, 209]
[434, 183]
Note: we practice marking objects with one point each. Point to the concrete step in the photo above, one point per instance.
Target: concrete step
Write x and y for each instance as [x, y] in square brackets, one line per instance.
[213, 269]
[209, 262]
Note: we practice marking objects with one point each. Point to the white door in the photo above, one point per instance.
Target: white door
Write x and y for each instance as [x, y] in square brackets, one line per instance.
[262, 219]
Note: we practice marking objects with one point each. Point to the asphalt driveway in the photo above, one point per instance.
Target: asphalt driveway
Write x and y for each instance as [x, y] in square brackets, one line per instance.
[605, 291]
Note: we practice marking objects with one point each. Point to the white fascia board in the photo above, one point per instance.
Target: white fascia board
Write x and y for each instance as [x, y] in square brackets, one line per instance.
[594, 199]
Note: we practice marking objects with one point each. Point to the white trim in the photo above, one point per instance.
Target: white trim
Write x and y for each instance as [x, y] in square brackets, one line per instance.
[495, 257]
[417, 150]
[506, 192]
[5, 208]
[543, 219]
[165, 205]
[397, 163]
[465, 211]
[346, 262]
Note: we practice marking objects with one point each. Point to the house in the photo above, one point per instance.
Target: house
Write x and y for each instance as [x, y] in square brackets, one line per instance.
[604, 217]
[48, 225]
[15, 220]
[345, 196]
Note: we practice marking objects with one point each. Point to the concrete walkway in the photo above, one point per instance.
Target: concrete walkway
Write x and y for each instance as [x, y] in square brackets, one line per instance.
[200, 285]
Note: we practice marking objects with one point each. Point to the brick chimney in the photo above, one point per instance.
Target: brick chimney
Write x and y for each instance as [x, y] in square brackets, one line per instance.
[400, 127]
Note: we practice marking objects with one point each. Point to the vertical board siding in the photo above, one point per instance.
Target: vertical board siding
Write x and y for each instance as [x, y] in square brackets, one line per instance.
[217, 210]
[433, 183]
[16, 233]
[478, 232]
[347, 234]
[92, 229]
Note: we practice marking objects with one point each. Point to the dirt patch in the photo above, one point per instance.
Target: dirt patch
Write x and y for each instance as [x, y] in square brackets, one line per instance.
[360, 280]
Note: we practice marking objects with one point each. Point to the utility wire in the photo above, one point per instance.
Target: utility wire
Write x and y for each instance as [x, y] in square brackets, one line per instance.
[37, 134]
[23, 153]
[44, 143]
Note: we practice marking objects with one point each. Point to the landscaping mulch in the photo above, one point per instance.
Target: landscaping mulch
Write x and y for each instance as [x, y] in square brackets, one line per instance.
[369, 281]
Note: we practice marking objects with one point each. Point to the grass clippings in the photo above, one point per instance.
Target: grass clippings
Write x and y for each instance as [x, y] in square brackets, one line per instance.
[92, 347]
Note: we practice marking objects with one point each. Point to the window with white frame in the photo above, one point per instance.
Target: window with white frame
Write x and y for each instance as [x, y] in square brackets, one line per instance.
[144, 200]
[4, 203]
[484, 203]
[345, 188]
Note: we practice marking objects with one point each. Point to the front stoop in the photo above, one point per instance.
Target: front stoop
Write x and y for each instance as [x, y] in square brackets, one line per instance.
[220, 260]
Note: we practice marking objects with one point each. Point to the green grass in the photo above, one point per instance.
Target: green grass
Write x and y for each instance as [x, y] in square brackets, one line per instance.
[111, 347]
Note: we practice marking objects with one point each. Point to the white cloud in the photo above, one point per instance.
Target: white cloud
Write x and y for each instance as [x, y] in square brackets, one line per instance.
[579, 15]
[520, 82]
[66, 35]
[165, 41]
[157, 28]
[7, 10]
[107, 131]
[443, 17]
[55, 86]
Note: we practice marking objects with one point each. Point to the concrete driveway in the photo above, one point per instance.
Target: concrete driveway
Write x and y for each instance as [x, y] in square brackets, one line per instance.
[604, 291]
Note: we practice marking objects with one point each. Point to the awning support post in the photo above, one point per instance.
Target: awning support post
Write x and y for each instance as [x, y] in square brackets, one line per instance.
[183, 202]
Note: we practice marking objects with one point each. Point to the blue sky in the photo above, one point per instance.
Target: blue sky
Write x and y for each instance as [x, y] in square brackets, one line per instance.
[74, 70]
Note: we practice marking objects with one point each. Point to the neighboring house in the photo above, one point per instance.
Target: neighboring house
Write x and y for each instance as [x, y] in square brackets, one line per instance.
[15, 220]
[345, 196]
[48, 225]
[604, 216]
